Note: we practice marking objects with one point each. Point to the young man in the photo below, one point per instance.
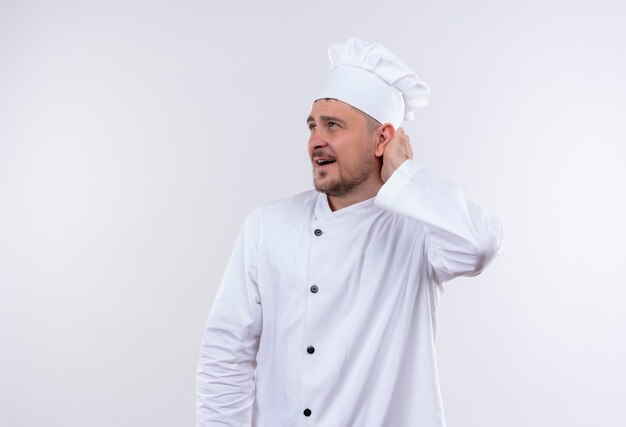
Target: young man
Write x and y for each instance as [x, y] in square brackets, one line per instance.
[326, 315]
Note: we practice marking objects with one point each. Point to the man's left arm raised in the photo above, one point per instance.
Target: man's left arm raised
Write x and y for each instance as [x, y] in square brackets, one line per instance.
[462, 238]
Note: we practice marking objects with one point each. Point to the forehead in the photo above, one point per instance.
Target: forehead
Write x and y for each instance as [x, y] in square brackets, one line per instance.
[335, 107]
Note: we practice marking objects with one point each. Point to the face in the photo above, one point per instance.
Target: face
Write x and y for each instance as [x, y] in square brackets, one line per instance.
[341, 148]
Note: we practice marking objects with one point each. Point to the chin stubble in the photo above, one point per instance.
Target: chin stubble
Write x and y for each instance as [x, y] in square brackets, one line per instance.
[344, 186]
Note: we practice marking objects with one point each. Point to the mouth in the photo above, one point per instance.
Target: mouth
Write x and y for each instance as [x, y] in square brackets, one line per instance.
[323, 162]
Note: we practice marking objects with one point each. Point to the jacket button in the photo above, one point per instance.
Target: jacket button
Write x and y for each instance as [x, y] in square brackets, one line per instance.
[310, 349]
[307, 412]
[314, 289]
[318, 232]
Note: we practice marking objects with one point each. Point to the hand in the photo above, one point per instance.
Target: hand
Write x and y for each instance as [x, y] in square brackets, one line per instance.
[395, 153]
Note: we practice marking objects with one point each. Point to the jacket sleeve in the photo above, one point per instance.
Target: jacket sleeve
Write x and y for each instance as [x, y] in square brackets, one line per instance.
[225, 383]
[461, 238]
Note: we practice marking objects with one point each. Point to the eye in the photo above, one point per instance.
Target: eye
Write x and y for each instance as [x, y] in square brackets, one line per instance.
[332, 124]
[311, 126]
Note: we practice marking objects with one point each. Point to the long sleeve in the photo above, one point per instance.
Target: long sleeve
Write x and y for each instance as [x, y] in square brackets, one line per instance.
[461, 237]
[225, 384]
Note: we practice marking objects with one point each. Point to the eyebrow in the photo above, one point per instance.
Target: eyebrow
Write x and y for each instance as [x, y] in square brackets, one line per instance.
[326, 119]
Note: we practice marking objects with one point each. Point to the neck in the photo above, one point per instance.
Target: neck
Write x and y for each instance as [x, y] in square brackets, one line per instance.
[365, 191]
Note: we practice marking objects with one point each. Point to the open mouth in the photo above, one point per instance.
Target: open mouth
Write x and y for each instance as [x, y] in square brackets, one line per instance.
[324, 162]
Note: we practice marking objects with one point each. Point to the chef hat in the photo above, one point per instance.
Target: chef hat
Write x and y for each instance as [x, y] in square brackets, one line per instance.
[373, 79]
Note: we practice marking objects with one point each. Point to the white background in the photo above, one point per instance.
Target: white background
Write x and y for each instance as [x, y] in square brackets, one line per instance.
[135, 136]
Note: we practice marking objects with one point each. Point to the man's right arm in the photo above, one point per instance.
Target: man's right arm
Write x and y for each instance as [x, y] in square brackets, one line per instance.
[225, 383]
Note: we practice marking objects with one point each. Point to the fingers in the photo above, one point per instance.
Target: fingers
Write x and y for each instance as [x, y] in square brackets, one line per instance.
[406, 142]
[402, 143]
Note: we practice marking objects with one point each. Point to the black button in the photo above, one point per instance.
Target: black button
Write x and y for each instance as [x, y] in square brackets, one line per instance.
[318, 232]
[307, 412]
[314, 289]
[310, 349]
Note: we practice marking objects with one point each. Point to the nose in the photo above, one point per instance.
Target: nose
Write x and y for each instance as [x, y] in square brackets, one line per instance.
[316, 140]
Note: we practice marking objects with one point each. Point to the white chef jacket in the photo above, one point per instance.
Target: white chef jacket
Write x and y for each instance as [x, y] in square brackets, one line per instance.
[329, 319]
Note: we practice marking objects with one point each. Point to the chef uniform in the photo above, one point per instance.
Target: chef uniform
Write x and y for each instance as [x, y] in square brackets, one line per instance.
[329, 318]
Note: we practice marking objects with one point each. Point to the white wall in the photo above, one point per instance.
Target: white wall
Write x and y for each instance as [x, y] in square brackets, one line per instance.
[135, 136]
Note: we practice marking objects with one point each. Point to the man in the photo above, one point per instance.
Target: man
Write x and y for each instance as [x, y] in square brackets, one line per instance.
[326, 315]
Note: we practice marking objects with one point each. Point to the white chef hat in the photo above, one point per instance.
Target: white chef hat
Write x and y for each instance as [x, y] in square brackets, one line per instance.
[373, 79]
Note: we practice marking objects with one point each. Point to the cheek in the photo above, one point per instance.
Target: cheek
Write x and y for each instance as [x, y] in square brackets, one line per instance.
[358, 154]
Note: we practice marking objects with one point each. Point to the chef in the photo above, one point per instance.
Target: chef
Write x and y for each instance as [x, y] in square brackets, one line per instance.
[327, 312]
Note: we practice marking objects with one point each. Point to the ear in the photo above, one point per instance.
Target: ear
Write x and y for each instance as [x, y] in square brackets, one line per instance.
[384, 134]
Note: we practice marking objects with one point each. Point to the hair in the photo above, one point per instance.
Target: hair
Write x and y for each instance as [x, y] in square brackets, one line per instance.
[372, 124]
